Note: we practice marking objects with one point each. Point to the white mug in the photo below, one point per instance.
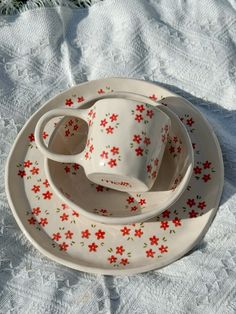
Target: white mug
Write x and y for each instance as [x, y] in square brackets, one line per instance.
[125, 145]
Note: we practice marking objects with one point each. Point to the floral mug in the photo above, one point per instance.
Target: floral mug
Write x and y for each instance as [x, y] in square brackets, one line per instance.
[124, 138]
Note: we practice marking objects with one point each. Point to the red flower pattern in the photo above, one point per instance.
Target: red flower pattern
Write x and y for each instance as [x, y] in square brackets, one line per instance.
[112, 259]
[93, 247]
[63, 246]
[109, 130]
[147, 141]
[202, 205]
[36, 188]
[64, 217]
[104, 155]
[138, 118]
[120, 250]
[140, 108]
[138, 233]
[113, 117]
[34, 170]
[115, 150]
[103, 122]
[130, 199]
[47, 195]
[191, 202]
[67, 169]
[153, 97]
[85, 234]
[100, 234]
[193, 214]
[100, 188]
[206, 164]
[101, 91]
[150, 113]
[27, 164]
[163, 249]
[124, 261]
[69, 102]
[164, 225]
[149, 168]
[197, 170]
[190, 121]
[166, 214]
[150, 253]
[21, 173]
[139, 151]
[43, 222]
[31, 137]
[56, 236]
[137, 139]
[45, 135]
[69, 234]
[154, 240]
[36, 211]
[46, 183]
[176, 222]
[125, 231]
[32, 221]
[80, 99]
[112, 163]
[142, 201]
[206, 177]
[134, 208]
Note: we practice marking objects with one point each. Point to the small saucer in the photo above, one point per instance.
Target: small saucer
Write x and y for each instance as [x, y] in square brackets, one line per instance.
[110, 206]
[60, 233]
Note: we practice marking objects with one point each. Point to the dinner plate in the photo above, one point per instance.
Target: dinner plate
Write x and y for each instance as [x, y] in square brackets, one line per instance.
[60, 233]
[108, 205]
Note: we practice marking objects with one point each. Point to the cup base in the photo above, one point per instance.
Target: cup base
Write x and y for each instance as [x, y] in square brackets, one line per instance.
[118, 182]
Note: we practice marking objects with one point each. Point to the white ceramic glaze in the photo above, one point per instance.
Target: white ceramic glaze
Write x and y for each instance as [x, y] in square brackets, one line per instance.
[124, 138]
[60, 233]
[107, 205]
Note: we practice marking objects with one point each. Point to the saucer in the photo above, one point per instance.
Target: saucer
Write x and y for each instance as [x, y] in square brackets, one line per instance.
[108, 205]
[60, 233]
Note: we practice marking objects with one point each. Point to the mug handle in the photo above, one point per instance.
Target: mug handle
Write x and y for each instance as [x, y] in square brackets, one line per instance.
[79, 113]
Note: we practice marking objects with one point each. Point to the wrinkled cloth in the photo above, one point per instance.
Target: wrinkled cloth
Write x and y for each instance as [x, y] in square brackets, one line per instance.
[186, 46]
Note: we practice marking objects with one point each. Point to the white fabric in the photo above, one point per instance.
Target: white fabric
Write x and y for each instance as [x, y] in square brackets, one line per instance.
[189, 47]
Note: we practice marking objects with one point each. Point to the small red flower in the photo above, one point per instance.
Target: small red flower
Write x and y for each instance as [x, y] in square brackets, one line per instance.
[150, 253]
[193, 214]
[142, 201]
[154, 174]
[190, 121]
[164, 225]
[163, 249]
[166, 214]
[69, 234]
[140, 108]
[139, 151]
[191, 202]
[137, 139]
[197, 170]
[206, 164]
[153, 97]
[21, 173]
[138, 118]
[115, 150]
[75, 166]
[109, 130]
[36, 211]
[138, 233]
[90, 112]
[80, 99]
[202, 205]
[163, 138]
[112, 163]
[76, 127]
[36, 188]
[43, 222]
[86, 155]
[172, 149]
[70, 122]
[166, 128]
[99, 188]
[67, 169]
[206, 177]
[130, 199]
[149, 168]
[100, 234]
[93, 247]
[56, 236]
[45, 135]
[27, 164]
[74, 213]
[147, 141]
[64, 206]
[34, 170]
[67, 132]
[32, 221]
[31, 137]
[124, 261]
[179, 149]
[104, 154]
[150, 113]
[85, 234]
[125, 231]
[46, 183]
[64, 217]
[113, 117]
[134, 208]
[101, 91]
[112, 259]
[154, 240]
[63, 246]
[69, 102]
[103, 122]
[175, 139]
[120, 250]
[47, 195]
[91, 148]
[156, 161]
[176, 222]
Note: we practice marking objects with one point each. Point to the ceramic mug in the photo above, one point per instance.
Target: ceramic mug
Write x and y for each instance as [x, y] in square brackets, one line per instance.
[122, 142]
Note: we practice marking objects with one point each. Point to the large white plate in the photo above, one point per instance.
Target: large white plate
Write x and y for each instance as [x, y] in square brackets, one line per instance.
[61, 234]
